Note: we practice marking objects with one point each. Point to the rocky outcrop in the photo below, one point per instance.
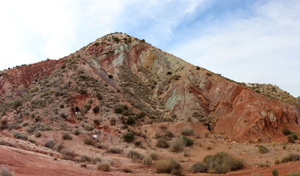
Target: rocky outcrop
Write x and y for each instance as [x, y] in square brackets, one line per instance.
[168, 89]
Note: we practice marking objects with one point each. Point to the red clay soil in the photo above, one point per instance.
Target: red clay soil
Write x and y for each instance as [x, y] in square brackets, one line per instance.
[25, 163]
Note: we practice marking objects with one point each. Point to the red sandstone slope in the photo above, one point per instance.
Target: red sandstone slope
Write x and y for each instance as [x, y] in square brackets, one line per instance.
[166, 88]
[14, 82]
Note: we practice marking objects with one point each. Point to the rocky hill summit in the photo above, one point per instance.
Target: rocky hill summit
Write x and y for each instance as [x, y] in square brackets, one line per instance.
[120, 92]
[119, 70]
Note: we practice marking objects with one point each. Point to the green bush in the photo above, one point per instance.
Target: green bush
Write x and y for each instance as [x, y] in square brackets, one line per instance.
[5, 171]
[147, 161]
[22, 136]
[275, 172]
[162, 143]
[134, 155]
[38, 134]
[262, 149]
[49, 144]
[114, 150]
[286, 131]
[222, 163]
[290, 138]
[66, 136]
[168, 166]
[198, 167]
[290, 157]
[187, 141]
[130, 120]
[128, 136]
[177, 144]
[104, 166]
[88, 141]
[96, 109]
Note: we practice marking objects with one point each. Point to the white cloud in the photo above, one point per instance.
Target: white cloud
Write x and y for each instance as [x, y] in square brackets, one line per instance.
[262, 48]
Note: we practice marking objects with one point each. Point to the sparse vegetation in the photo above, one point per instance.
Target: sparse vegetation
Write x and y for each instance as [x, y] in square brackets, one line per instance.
[262, 149]
[168, 165]
[134, 155]
[38, 134]
[222, 163]
[162, 143]
[275, 172]
[88, 141]
[114, 150]
[187, 131]
[147, 160]
[66, 136]
[177, 144]
[96, 109]
[49, 143]
[128, 136]
[6, 172]
[22, 136]
[198, 167]
[290, 157]
[104, 166]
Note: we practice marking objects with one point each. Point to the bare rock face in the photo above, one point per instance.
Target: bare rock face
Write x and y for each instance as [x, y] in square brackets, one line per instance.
[14, 82]
[166, 88]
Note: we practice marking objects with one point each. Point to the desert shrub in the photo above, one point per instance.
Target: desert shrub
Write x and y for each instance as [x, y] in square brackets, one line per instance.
[187, 131]
[77, 132]
[222, 163]
[96, 43]
[110, 76]
[286, 131]
[128, 136]
[147, 160]
[290, 138]
[38, 134]
[118, 110]
[169, 134]
[104, 166]
[96, 121]
[262, 149]
[99, 96]
[187, 141]
[63, 115]
[84, 158]
[134, 155]
[88, 141]
[162, 143]
[49, 144]
[6, 172]
[130, 120]
[96, 109]
[68, 155]
[293, 174]
[290, 157]
[275, 172]
[88, 127]
[177, 144]
[140, 115]
[114, 150]
[66, 136]
[153, 156]
[96, 160]
[22, 136]
[198, 167]
[168, 166]
[126, 170]
[277, 162]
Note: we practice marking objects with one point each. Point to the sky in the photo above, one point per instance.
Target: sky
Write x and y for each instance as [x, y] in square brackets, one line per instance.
[251, 41]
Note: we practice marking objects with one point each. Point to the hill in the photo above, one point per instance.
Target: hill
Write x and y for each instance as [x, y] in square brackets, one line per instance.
[119, 85]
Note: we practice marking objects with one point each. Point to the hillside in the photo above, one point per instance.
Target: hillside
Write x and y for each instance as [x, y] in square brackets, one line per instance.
[119, 84]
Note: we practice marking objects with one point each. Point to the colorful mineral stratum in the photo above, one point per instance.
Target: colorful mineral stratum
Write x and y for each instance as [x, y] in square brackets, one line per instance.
[118, 84]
